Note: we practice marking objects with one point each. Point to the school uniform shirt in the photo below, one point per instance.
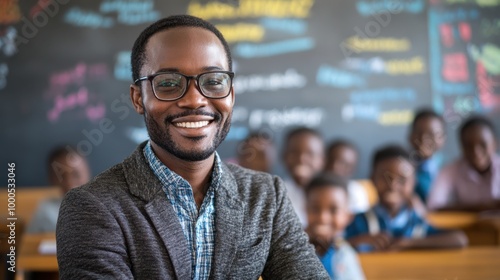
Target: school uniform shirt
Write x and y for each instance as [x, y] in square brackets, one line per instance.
[426, 172]
[45, 218]
[406, 224]
[358, 198]
[460, 184]
[341, 262]
[297, 196]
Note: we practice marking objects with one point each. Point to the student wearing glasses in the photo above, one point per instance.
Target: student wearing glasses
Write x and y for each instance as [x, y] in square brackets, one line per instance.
[173, 209]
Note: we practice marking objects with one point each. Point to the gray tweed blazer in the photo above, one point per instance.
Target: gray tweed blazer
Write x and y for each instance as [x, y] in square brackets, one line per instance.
[121, 226]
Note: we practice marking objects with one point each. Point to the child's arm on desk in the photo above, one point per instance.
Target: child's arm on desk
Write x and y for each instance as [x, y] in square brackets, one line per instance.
[378, 242]
[448, 239]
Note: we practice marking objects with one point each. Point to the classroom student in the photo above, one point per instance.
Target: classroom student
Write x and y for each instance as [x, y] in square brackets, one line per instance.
[67, 170]
[471, 182]
[173, 209]
[342, 160]
[427, 136]
[303, 157]
[257, 152]
[393, 224]
[328, 214]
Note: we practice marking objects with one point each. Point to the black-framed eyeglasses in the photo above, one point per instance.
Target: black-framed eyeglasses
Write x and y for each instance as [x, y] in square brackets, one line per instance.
[170, 86]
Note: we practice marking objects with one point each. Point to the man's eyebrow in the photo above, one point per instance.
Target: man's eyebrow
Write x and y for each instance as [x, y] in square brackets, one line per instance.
[206, 68]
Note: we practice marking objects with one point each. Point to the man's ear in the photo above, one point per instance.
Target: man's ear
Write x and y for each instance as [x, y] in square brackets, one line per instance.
[233, 95]
[136, 97]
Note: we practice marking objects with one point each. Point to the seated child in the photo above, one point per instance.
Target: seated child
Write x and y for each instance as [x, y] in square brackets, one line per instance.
[427, 137]
[472, 182]
[257, 152]
[328, 214]
[341, 160]
[393, 224]
[67, 169]
[303, 157]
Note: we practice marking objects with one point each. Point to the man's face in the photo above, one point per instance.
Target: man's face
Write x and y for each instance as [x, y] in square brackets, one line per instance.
[478, 147]
[428, 136]
[304, 157]
[192, 127]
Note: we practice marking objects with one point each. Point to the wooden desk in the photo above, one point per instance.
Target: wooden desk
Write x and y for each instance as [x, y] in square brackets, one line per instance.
[30, 259]
[464, 264]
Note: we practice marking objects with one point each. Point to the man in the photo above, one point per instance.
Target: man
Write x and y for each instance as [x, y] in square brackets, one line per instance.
[173, 210]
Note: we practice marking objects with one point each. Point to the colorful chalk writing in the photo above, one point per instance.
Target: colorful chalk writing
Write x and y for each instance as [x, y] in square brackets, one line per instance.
[374, 65]
[488, 55]
[8, 44]
[9, 12]
[412, 66]
[358, 44]
[455, 68]
[490, 27]
[278, 119]
[251, 9]
[83, 18]
[292, 26]
[250, 50]
[383, 95]
[269, 82]
[480, 3]
[131, 12]
[368, 8]
[70, 101]
[486, 87]
[363, 112]
[4, 71]
[333, 77]
[395, 117]
[242, 32]
[123, 68]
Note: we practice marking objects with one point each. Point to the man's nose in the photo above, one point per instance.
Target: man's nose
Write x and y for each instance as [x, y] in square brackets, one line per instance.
[193, 98]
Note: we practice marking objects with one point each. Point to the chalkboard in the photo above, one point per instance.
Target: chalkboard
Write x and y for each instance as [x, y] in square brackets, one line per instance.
[354, 69]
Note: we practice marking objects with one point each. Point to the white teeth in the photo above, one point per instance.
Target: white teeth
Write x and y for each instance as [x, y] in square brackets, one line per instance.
[192, 124]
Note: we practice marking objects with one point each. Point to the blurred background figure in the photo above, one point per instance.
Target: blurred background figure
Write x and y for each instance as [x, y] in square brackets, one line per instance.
[67, 170]
[257, 152]
[342, 160]
[303, 157]
[427, 136]
[472, 182]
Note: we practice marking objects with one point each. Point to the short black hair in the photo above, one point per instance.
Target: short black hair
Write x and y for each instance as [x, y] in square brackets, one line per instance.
[138, 57]
[59, 152]
[390, 152]
[301, 130]
[476, 120]
[326, 180]
[426, 113]
[341, 143]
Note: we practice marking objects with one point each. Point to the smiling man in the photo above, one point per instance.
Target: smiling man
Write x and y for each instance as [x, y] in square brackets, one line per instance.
[173, 210]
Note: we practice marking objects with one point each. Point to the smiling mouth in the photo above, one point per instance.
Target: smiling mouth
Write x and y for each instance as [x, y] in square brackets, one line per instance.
[199, 124]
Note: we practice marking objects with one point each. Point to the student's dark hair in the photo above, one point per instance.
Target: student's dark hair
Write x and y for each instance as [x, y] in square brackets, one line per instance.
[390, 152]
[341, 143]
[326, 180]
[301, 130]
[473, 121]
[426, 113]
[59, 152]
[138, 57]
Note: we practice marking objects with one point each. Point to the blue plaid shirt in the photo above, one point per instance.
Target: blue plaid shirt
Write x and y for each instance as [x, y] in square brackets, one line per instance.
[198, 227]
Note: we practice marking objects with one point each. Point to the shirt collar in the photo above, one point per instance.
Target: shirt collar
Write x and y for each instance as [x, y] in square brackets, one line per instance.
[398, 221]
[168, 177]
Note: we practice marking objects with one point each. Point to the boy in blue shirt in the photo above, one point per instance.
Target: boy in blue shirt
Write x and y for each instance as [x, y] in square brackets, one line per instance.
[328, 214]
[393, 224]
[427, 137]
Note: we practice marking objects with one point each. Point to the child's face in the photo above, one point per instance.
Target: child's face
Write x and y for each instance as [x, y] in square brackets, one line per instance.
[304, 156]
[328, 206]
[428, 136]
[478, 146]
[342, 161]
[394, 180]
[69, 172]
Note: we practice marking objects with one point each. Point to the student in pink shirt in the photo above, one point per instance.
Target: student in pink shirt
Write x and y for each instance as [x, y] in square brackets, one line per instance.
[472, 182]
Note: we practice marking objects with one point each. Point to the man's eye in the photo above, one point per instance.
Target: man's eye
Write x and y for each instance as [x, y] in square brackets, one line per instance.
[168, 83]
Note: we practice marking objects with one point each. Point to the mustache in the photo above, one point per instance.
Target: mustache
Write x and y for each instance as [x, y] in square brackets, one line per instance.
[217, 117]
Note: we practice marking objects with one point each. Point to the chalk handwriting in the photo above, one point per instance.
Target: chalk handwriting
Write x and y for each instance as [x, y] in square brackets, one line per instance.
[123, 67]
[383, 95]
[250, 50]
[455, 67]
[269, 82]
[251, 9]
[368, 8]
[278, 119]
[396, 117]
[83, 18]
[292, 26]
[333, 77]
[242, 32]
[358, 44]
[8, 41]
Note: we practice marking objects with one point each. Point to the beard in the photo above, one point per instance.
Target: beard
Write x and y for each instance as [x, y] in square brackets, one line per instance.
[164, 139]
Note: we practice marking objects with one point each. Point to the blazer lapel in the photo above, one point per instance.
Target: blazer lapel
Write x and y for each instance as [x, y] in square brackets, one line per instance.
[229, 215]
[145, 185]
